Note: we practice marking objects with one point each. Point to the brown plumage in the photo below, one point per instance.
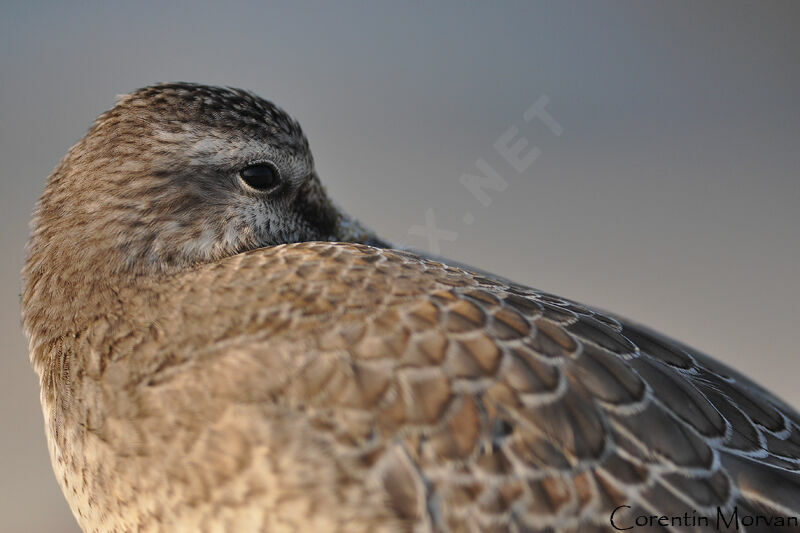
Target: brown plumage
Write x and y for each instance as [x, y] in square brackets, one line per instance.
[205, 368]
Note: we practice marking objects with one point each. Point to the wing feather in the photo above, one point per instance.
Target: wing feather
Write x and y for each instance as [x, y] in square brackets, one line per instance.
[470, 403]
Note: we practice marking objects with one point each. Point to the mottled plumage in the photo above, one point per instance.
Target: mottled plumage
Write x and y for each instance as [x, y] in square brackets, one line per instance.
[204, 368]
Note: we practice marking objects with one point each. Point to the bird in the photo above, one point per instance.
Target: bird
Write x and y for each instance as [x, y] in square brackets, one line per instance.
[221, 348]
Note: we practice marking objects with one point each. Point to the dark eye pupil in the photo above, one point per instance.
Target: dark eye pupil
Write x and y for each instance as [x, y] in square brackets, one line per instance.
[262, 177]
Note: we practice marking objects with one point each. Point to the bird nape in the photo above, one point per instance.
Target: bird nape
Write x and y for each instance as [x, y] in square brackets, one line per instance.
[220, 349]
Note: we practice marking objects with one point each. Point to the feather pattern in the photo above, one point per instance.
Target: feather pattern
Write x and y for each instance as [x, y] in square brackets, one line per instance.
[461, 402]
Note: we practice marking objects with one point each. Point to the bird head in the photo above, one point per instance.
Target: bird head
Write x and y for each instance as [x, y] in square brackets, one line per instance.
[179, 174]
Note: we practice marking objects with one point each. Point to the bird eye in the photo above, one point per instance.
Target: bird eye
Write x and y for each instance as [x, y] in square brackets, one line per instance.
[262, 177]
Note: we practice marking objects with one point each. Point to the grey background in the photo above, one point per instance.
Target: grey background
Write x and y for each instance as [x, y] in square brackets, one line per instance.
[672, 195]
